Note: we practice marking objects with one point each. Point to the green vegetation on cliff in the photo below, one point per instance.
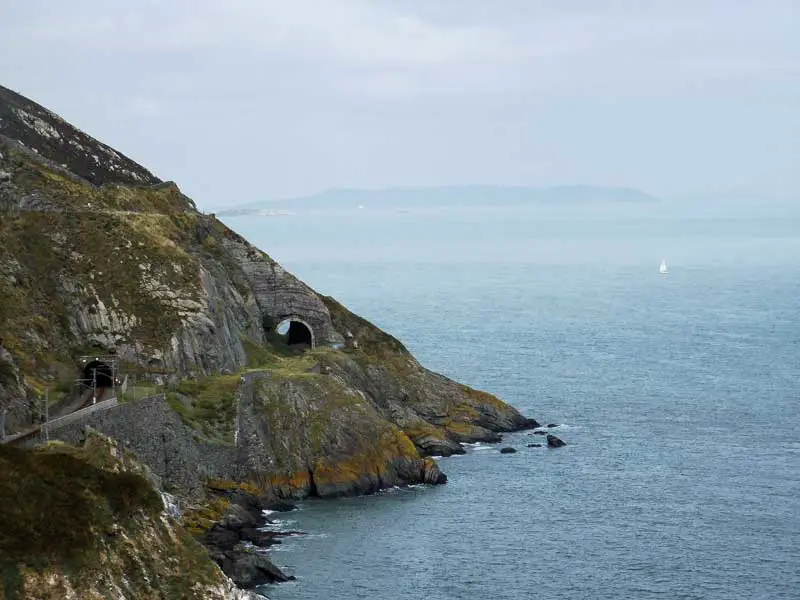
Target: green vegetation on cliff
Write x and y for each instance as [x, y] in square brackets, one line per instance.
[208, 405]
[69, 504]
[90, 523]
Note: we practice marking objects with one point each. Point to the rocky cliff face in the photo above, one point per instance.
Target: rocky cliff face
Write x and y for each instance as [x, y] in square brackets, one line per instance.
[97, 256]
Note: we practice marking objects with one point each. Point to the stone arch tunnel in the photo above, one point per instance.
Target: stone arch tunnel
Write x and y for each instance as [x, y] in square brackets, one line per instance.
[104, 373]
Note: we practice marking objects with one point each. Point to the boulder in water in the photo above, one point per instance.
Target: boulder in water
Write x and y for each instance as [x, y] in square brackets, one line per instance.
[431, 473]
[539, 433]
[553, 425]
[554, 442]
[534, 445]
[249, 569]
[508, 450]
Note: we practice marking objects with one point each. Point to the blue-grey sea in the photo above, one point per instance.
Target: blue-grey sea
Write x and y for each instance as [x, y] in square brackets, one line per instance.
[676, 394]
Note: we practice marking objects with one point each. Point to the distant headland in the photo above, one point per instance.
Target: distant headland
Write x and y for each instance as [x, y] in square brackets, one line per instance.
[451, 196]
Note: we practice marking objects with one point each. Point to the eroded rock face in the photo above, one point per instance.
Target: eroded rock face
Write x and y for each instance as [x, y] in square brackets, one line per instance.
[279, 294]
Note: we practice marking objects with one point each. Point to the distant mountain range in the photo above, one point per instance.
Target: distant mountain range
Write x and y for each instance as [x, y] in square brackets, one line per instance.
[426, 197]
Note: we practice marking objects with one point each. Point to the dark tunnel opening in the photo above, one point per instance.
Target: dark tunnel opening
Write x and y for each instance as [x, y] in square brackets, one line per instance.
[295, 333]
[102, 371]
[298, 334]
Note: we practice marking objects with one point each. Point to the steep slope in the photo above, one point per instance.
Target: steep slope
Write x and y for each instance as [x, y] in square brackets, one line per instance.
[48, 135]
[131, 268]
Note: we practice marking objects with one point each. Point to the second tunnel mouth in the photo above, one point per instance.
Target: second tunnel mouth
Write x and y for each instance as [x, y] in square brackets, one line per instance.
[295, 334]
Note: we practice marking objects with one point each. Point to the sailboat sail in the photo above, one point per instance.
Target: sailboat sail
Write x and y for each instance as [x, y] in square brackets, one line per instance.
[662, 268]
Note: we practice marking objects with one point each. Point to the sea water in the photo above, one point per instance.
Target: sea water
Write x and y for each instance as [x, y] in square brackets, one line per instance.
[677, 396]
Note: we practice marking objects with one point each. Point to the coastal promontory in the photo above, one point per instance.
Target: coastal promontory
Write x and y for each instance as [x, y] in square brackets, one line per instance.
[128, 315]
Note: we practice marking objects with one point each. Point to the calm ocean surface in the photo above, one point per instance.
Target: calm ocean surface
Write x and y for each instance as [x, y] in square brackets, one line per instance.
[678, 396]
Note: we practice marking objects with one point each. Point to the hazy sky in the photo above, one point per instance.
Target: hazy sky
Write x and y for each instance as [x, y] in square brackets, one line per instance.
[242, 100]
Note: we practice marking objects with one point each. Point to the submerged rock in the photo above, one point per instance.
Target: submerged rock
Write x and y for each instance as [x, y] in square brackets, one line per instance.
[280, 506]
[539, 433]
[554, 442]
[508, 450]
[438, 446]
[530, 424]
[551, 425]
[534, 445]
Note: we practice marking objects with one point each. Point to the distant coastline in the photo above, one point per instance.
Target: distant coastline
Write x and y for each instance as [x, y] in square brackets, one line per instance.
[448, 196]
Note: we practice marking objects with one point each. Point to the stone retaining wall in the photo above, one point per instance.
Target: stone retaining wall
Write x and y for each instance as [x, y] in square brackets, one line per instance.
[158, 437]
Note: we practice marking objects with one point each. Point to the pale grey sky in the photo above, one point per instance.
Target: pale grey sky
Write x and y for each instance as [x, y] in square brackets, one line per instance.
[243, 100]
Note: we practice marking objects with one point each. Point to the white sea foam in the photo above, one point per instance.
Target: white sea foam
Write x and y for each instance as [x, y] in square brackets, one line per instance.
[279, 525]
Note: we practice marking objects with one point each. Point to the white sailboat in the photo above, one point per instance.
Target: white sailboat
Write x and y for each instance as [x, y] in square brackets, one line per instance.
[662, 268]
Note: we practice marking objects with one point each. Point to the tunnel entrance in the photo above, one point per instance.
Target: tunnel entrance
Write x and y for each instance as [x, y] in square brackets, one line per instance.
[100, 370]
[295, 333]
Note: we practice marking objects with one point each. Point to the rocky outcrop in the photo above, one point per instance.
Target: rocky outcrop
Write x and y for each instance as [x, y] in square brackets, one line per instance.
[248, 568]
[554, 442]
[279, 294]
[508, 450]
[234, 543]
